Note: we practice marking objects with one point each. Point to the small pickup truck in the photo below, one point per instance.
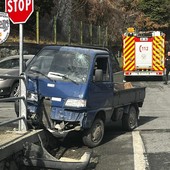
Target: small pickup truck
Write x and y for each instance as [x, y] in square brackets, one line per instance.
[71, 88]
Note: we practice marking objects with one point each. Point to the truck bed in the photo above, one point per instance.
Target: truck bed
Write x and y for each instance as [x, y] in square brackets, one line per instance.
[125, 94]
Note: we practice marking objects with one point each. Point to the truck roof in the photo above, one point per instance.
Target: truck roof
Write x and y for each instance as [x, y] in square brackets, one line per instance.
[91, 51]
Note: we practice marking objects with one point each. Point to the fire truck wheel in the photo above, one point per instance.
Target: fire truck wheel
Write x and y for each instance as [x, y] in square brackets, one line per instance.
[93, 136]
[130, 120]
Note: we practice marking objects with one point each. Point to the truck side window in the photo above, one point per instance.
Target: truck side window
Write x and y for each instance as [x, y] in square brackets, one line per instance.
[103, 64]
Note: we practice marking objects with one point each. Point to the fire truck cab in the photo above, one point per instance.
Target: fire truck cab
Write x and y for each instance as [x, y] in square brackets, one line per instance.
[143, 53]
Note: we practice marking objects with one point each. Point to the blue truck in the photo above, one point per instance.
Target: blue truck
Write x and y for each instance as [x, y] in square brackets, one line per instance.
[71, 88]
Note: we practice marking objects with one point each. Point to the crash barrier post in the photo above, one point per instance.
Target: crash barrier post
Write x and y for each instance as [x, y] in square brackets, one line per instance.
[22, 103]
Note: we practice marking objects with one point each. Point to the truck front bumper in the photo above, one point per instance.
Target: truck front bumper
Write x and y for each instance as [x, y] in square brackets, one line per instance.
[65, 120]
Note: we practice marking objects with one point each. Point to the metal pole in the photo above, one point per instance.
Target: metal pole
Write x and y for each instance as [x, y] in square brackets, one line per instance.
[91, 34]
[22, 108]
[81, 32]
[99, 34]
[55, 29]
[106, 36]
[37, 28]
[69, 32]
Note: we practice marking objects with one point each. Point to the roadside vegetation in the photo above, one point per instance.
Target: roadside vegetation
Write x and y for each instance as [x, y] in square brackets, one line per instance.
[116, 16]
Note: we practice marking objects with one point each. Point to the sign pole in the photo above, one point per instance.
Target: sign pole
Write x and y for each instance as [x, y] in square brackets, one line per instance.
[21, 47]
[22, 111]
[19, 11]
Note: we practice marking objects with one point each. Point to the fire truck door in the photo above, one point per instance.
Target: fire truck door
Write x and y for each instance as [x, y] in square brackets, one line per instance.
[143, 53]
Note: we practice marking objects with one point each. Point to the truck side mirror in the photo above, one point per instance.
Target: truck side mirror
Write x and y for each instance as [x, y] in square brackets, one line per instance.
[98, 75]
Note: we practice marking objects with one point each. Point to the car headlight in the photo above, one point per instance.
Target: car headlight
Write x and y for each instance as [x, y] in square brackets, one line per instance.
[1, 79]
[75, 103]
[32, 96]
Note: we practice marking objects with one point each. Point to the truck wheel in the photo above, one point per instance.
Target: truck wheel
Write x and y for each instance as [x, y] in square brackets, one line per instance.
[130, 120]
[93, 136]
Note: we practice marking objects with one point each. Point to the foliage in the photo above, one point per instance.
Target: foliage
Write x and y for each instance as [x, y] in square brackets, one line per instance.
[44, 6]
[2, 6]
[156, 13]
[121, 14]
[117, 15]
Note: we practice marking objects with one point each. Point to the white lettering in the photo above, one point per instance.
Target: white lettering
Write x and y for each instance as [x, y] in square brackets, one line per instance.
[18, 5]
[21, 5]
[28, 3]
[15, 5]
[10, 6]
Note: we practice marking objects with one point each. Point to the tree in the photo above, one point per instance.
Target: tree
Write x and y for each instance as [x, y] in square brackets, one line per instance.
[116, 15]
[2, 6]
[44, 7]
[156, 12]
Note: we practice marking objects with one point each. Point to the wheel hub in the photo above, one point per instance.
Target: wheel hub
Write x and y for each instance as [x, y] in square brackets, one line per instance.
[97, 133]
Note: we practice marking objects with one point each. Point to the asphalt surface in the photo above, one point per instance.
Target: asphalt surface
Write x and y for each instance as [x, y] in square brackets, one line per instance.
[148, 147]
[155, 125]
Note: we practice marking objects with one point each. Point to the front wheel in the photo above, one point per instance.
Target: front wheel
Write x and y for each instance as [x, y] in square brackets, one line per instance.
[130, 120]
[93, 136]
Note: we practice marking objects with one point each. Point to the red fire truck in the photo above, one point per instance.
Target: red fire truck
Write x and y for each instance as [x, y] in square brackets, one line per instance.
[143, 53]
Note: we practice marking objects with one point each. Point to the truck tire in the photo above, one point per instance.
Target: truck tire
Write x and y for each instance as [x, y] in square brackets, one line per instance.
[130, 120]
[93, 136]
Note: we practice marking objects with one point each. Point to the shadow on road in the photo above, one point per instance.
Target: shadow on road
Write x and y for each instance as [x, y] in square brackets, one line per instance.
[145, 119]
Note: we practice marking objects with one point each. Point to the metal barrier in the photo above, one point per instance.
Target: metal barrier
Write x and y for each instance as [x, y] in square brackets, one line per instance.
[22, 102]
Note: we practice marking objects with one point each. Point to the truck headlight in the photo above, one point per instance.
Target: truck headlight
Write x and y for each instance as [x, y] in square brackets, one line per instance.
[32, 96]
[75, 103]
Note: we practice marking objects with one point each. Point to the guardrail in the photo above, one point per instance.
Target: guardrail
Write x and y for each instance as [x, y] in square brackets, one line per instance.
[22, 102]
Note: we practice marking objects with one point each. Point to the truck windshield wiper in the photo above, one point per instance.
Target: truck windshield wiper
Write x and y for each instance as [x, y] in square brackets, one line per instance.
[63, 76]
[36, 71]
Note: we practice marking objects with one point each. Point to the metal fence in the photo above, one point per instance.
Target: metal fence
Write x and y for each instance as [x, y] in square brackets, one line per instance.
[22, 102]
[53, 31]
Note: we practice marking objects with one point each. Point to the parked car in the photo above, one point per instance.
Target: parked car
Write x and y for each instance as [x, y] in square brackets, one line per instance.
[10, 66]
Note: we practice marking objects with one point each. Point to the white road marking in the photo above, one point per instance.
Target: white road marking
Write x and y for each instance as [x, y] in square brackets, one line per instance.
[140, 159]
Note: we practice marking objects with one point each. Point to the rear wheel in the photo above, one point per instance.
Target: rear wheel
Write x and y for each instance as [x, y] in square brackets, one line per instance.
[93, 136]
[130, 120]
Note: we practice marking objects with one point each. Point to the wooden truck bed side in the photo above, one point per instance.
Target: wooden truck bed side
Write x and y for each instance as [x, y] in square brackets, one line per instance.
[126, 95]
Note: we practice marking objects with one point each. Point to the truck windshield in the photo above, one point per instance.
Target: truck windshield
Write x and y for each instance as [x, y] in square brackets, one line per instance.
[61, 65]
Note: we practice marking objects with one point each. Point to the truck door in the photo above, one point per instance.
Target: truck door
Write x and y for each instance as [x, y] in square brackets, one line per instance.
[101, 91]
[143, 53]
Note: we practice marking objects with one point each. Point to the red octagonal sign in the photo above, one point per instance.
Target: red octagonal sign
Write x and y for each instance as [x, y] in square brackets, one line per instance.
[19, 10]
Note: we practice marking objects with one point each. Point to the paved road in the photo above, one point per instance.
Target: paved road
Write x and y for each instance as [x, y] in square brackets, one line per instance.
[147, 147]
[155, 125]
[7, 113]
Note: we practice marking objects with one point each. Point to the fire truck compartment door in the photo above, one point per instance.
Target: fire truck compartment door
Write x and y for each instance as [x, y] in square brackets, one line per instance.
[143, 53]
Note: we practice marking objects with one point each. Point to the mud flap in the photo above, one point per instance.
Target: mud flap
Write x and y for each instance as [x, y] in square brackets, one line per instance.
[38, 156]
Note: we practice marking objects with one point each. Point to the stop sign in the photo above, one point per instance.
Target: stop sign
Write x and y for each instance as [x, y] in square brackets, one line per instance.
[19, 10]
